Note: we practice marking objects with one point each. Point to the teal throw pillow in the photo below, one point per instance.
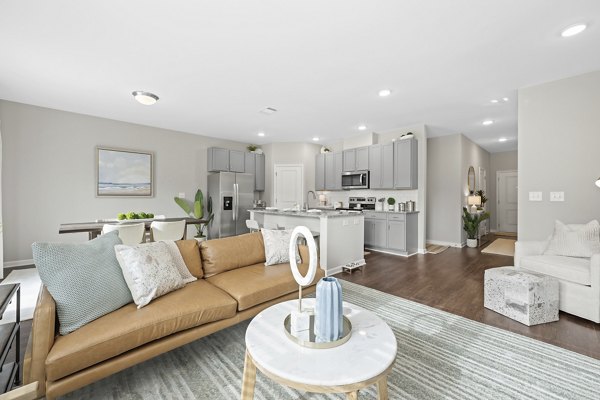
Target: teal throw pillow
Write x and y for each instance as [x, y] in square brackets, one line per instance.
[84, 279]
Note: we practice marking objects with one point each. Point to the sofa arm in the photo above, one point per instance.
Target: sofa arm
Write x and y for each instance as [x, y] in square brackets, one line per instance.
[43, 332]
[529, 248]
[595, 272]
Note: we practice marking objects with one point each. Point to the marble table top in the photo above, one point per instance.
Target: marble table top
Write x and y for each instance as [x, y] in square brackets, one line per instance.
[321, 214]
[369, 352]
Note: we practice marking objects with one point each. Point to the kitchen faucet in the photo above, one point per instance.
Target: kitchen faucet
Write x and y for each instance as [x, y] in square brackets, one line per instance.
[314, 197]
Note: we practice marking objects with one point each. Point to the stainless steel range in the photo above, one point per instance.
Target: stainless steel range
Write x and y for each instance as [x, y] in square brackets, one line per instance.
[360, 203]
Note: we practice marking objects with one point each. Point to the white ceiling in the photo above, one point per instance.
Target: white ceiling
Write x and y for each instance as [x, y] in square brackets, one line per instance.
[320, 63]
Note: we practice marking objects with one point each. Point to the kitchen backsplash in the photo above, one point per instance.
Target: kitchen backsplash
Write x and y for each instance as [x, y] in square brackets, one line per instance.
[399, 195]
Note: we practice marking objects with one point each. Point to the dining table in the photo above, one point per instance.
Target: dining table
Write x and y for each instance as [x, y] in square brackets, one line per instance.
[93, 229]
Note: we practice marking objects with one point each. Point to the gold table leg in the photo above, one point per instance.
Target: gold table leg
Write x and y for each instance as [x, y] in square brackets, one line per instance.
[382, 391]
[352, 395]
[249, 379]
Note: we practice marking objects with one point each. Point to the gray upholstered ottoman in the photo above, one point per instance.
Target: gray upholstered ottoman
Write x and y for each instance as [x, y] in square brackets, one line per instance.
[527, 297]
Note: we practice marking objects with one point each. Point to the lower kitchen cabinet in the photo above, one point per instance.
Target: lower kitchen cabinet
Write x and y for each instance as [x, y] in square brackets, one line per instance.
[391, 232]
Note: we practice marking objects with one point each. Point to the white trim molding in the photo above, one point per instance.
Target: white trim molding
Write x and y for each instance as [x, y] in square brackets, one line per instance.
[18, 263]
[442, 243]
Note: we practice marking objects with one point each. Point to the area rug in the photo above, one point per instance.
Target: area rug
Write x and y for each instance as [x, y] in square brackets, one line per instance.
[30, 288]
[504, 247]
[440, 356]
[436, 248]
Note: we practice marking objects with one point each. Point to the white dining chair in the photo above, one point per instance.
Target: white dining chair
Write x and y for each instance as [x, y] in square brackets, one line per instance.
[129, 234]
[167, 230]
[252, 225]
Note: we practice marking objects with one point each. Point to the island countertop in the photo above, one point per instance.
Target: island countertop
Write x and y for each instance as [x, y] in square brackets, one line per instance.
[322, 214]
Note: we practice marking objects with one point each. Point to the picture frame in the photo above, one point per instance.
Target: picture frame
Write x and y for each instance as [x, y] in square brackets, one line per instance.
[124, 172]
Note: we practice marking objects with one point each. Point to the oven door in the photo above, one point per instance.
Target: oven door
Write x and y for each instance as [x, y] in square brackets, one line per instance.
[355, 180]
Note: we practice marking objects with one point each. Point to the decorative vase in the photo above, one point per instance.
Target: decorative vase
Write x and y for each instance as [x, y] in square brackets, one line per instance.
[200, 239]
[390, 207]
[329, 313]
[471, 242]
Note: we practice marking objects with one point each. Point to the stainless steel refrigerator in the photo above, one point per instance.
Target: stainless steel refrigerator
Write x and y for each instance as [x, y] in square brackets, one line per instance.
[232, 195]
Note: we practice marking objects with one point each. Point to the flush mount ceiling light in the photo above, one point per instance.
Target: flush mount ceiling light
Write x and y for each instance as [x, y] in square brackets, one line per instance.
[488, 122]
[573, 30]
[261, 134]
[145, 98]
[315, 139]
[362, 127]
[385, 92]
[502, 139]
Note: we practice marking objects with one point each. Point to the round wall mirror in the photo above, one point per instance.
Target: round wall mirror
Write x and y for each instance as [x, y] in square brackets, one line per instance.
[471, 179]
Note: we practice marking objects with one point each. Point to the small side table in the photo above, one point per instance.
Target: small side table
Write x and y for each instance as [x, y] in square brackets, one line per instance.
[10, 335]
[340, 369]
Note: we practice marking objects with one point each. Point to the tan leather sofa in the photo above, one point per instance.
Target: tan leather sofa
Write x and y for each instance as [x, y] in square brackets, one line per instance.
[233, 285]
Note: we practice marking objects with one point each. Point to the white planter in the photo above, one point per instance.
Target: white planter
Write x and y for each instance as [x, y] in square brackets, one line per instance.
[471, 242]
[391, 207]
[200, 239]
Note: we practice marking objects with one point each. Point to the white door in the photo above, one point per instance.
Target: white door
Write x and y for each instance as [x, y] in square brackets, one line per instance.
[288, 185]
[507, 193]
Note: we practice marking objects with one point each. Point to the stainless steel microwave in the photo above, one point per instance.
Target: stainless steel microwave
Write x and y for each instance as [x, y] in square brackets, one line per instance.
[355, 180]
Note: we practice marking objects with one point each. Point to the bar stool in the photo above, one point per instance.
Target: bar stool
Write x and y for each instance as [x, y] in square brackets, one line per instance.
[253, 225]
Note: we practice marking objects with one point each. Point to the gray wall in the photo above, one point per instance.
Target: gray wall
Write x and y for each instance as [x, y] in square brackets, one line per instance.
[559, 142]
[48, 171]
[505, 161]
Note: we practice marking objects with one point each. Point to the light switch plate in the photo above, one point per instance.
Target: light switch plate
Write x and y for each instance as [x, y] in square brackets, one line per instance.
[557, 196]
[535, 196]
[181, 195]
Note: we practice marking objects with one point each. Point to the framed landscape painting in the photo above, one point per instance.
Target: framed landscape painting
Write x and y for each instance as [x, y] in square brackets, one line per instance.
[122, 172]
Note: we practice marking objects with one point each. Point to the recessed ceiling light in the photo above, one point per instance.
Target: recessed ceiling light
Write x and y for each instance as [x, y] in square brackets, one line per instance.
[261, 134]
[384, 92]
[362, 127]
[145, 98]
[502, 139]
[505, 99]
[573, 30]
[488, 122]
[494, 101]
[316, 139]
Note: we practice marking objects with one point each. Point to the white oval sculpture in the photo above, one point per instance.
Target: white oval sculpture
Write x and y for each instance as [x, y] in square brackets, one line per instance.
[312, 251]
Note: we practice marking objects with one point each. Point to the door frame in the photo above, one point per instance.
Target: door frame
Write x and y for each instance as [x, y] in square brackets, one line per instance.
[498, 194]
[275, 166]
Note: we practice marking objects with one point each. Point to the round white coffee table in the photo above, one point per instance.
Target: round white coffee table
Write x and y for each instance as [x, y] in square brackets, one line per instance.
[366, 359]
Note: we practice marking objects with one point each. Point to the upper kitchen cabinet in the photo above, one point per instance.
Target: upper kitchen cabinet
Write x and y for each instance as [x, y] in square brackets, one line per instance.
[406, 164]
[255, 164]
[381, 166]
[218, 159]
[237, 162]
[333, 171]
[356, 159]
[320, 172]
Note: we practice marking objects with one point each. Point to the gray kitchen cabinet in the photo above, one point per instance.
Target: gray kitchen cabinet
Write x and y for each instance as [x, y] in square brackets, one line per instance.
[237, 161]
[333, 171]
[250, 164]
[369, 232]
[356, 159]
[405, 164]
[362, 159]
[375, 166]
[320, 172]
[379, 233]
[387, 166]
[349, 160]
[218, 159]
[396, 238]
[259, 184]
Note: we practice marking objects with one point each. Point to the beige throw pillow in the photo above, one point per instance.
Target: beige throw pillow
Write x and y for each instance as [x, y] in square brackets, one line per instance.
[149, 271]
[574, 240]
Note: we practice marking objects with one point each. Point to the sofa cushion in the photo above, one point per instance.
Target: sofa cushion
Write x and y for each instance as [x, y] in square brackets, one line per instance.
[84, 279]
[191, 256]
[127, 328]
[571, 269]
[257, 283]
[574, 240]
[221, 255]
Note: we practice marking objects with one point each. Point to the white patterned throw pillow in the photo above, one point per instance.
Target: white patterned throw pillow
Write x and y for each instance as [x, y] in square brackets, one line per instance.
[277, 246]
[179, 262]
[574, 240]
[149, 271]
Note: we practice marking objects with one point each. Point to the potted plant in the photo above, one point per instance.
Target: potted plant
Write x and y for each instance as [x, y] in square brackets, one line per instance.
[391, 201]
[252, 148]
[379, 206]
[471, 223]
[196, 210]
[481, 194]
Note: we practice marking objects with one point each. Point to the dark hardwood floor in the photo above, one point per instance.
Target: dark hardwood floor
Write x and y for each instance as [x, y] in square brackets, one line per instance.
[453, 281]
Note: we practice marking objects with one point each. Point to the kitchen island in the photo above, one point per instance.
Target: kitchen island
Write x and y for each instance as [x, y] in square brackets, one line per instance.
[341, 233]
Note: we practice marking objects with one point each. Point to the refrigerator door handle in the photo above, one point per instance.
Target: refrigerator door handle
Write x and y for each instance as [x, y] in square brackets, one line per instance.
[235, 201]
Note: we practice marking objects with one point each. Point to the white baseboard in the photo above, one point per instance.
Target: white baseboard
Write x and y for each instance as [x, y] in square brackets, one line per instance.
[422, 251]
[442, 243]
[17, 263]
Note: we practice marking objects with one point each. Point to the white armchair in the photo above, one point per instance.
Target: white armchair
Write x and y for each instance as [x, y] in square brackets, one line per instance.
[579, 278]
